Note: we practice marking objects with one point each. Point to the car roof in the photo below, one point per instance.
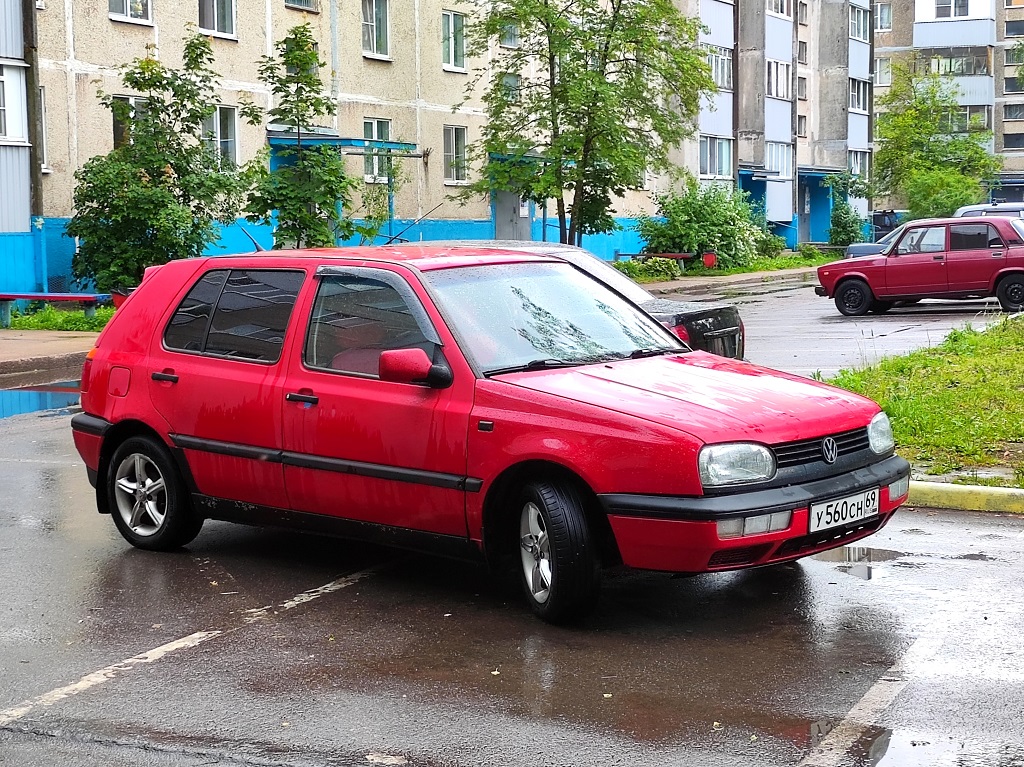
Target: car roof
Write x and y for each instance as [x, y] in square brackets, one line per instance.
[1012, 209]
[425, 256]
[955, 220]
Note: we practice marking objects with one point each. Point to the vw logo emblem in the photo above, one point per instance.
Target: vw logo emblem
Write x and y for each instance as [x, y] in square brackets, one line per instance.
[829, 450]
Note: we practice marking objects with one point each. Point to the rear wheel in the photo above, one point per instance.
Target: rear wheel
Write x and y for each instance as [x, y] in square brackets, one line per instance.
[880, 307]
[853, 298]
[147, 498]
[1011, 292]
[558, 554]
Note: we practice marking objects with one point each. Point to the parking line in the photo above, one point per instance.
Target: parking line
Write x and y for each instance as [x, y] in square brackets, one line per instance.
[833, 749]
[114, 670]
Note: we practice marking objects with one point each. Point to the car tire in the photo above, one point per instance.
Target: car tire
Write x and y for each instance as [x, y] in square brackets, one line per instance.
[558, 554]
[854, 298]
[147, 497]
[1011, 293]
[880, 307]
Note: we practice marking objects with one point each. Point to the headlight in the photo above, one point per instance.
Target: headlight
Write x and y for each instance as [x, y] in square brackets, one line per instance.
[880, 434]
[734, 463]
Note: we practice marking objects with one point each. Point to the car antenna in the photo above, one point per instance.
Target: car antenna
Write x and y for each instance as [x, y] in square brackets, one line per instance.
[394, 237]
[259, 248]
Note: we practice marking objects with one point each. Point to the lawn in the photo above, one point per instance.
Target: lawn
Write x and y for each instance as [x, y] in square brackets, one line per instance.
[49, 318]
[957, 407]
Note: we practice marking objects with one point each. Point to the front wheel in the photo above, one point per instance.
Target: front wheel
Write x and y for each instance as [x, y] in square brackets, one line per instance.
[1011, 293]
[853, 298]
[558, 554]
[147, 498]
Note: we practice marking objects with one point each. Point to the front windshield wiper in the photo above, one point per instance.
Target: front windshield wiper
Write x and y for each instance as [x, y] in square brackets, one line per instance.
[539, 364]
[638, 353]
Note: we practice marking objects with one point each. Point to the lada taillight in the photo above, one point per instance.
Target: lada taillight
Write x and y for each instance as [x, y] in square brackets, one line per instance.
[680, 330]
[87, 369]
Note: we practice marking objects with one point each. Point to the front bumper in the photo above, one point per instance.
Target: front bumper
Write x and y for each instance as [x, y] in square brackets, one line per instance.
[820, 291]
[676, 534]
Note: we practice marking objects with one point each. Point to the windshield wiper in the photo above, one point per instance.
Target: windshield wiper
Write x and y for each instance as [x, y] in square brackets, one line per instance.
[539, 364]
[637, 354]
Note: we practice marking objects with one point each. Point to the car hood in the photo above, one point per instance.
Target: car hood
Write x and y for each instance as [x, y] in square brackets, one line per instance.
[712, 398]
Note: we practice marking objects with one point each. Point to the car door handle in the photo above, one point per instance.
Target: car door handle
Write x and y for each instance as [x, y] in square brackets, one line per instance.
[937, 258]
[166, 377]
[997, 254]
[309, 399]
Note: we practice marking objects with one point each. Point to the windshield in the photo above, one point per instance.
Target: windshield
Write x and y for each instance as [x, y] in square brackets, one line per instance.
[892, 235]
[536, 315]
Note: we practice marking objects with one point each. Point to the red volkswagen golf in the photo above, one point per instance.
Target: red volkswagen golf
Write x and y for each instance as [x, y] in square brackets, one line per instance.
[486, 403]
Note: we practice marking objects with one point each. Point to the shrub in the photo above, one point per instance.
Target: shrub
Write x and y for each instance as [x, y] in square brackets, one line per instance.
[847, 225]
[651, 270]
[808, 251]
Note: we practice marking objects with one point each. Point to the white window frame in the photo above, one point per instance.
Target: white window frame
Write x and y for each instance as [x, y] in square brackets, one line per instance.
[1020, 113]
[512, 85]
[226, 147]
[779, 80]
[372, 47]
[801, 12]
[801, 52]
[133, 102]
[779, 157]
[801, 89]
[509, 37]
[858, 162]
[801, 126]
[883, 72]
[44, 152]
[782, 8]
[860, 24]
[860, 95]
[883, 19]
[135, 11]
[456, 170]
[957, 9]
[310, 6]
[453, 43]
[4, 107]
[375, 166]
[712, 163]
[720, 61]
[222, 27]
[1008, 59]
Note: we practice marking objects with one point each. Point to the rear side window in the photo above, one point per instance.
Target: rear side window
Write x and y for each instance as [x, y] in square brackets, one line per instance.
[973, 237]
[249, 317]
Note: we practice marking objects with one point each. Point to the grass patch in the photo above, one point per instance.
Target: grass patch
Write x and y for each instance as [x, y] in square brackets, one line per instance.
[763, 264]
[49, 318]
[957, 405]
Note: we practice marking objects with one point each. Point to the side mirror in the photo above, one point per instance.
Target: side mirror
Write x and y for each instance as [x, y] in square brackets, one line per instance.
[413, 366]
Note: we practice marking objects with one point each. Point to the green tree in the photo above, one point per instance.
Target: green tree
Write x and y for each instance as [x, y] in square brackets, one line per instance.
[938, 193]
[919, 129]
[307, 194]
[581, 98]
[155, 197]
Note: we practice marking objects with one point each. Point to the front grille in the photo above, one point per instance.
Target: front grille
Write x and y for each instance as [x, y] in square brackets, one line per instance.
[743, 555]
[806, 451]
[830, 538]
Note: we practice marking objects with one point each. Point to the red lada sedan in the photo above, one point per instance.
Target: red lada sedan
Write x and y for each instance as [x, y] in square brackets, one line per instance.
[951, 258]
[475, 402]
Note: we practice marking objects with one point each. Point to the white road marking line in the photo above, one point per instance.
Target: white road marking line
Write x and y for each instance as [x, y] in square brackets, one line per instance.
[832, 751]
[89, 681]
[103, 675]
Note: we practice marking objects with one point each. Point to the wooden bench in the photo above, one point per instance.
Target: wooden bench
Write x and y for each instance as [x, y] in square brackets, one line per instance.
[87, 300]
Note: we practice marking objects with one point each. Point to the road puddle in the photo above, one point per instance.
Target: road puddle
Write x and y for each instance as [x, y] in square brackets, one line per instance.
[857, 560]
[32, 399]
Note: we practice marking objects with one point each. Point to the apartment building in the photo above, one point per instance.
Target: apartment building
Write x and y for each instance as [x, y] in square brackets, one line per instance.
[973, 42]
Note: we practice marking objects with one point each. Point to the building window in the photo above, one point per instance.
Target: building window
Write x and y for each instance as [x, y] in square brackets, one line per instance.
[220, 134]
[303, 5]
[376, 165]
[1015, 29]
[1013, 56]
[130, 9]
[1013, 141]
[801, 13]
[1013, 112]
[44, 155]
[133, 107]
[801, 52]
[778, 80]
[954, 64]
[883, 17]
[3, 102]
[715, 157]
[801, 88]
[217, 16]
[509, 37]
[453, 40]
[965, 118]
[1013, 85]
[720, 61]
[883, 71]
[781, 7]
[860, 23]
[945, 9]
[860, 95]
[511, 84]
[375, 27]
[801, 125]
[779, 157]
[454, 153]
[859, 162]
[1014, 3]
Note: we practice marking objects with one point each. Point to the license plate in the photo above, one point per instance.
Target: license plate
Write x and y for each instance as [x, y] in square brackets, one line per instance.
[843, 511]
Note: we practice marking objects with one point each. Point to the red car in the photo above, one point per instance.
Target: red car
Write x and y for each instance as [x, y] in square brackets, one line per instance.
[933, 258]
[476, 402]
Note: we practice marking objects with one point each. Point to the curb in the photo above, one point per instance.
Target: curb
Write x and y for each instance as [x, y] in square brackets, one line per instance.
[944, 495]
[37, 365]
[754, 278]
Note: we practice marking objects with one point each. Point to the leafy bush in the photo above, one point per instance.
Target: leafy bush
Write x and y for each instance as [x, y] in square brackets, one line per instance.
[937, 193]
[808, 251]
[651, 270]
[49, 318]
[702, 218]
[847, 225]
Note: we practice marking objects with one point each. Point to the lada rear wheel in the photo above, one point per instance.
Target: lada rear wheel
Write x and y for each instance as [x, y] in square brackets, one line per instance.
[148, 500]
[1011, 293]
[560, 566]
[853, 298]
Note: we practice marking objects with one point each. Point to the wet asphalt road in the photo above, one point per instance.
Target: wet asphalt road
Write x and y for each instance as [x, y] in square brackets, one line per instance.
[265, 648]
[790, 328]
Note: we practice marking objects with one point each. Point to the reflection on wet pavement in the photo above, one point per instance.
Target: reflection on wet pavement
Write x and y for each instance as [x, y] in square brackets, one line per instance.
[29, 399]
[855, 560]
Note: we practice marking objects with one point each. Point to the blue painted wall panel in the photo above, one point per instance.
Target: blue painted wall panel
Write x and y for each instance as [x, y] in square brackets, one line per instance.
[18, 262]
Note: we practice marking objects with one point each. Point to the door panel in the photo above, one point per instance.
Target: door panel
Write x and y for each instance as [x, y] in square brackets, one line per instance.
[976, 254]
[917, 265]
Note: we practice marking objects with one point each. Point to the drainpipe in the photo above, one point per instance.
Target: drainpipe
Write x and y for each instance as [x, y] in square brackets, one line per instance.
[34, 107]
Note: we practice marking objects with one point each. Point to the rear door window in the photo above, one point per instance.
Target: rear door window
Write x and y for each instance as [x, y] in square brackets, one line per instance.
[973, 237]
[249, 317]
